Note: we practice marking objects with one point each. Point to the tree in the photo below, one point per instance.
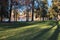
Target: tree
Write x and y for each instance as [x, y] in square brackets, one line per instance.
[4, 12]
[56, 9]
[27, 10]
[12, 3]
[32, 10]
[44, 9]
[10, 11]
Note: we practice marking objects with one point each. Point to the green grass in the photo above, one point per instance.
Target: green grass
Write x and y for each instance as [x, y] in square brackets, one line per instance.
[46, 30]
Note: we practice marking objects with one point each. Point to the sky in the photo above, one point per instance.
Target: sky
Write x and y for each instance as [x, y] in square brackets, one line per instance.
[49, 2]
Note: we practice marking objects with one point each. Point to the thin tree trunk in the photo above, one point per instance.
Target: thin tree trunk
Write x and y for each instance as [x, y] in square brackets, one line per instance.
[16, 16]
[2, 8]
[10, 14]
[43, 18]
[1, 15]
[27, 16]
[10, 11]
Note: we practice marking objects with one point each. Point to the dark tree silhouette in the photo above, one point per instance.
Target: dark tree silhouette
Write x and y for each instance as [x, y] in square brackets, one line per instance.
[10, 11]
[44, 9]
[32, 10]
[4, 12]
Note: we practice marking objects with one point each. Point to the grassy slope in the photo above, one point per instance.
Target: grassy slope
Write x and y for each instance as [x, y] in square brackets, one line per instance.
[29, 31]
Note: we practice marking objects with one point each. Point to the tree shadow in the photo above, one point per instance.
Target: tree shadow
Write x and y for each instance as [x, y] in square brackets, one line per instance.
[55, 34]
[27, 34]
[21, 24]
[12, 25]
[38, 34]
[42, 33]
[52, 23]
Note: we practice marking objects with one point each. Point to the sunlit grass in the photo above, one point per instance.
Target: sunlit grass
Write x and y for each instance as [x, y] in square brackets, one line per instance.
[59, 36]
[59, 22]
[39, 31]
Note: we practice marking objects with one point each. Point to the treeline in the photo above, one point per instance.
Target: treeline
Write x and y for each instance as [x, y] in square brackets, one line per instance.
[41, 10]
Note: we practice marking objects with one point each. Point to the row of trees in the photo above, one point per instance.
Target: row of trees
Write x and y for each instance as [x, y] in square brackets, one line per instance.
[41, 10]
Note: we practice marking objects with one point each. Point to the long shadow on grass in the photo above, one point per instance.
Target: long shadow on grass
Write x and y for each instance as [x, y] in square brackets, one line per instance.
[42, 33]
[4, 26]
[22, 24]
[29, 32]
[34, 29]
[55, 34]
[17, 24]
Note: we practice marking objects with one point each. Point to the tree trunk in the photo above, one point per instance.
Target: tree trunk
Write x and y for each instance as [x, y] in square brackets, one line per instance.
[10, 11]
[33, 10]
[27, 16]
[43, 18]
[2, 12]
[16, 16]
[1, 17]
[10, 14]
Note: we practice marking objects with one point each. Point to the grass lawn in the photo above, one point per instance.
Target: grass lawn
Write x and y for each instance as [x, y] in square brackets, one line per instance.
[29, 31]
